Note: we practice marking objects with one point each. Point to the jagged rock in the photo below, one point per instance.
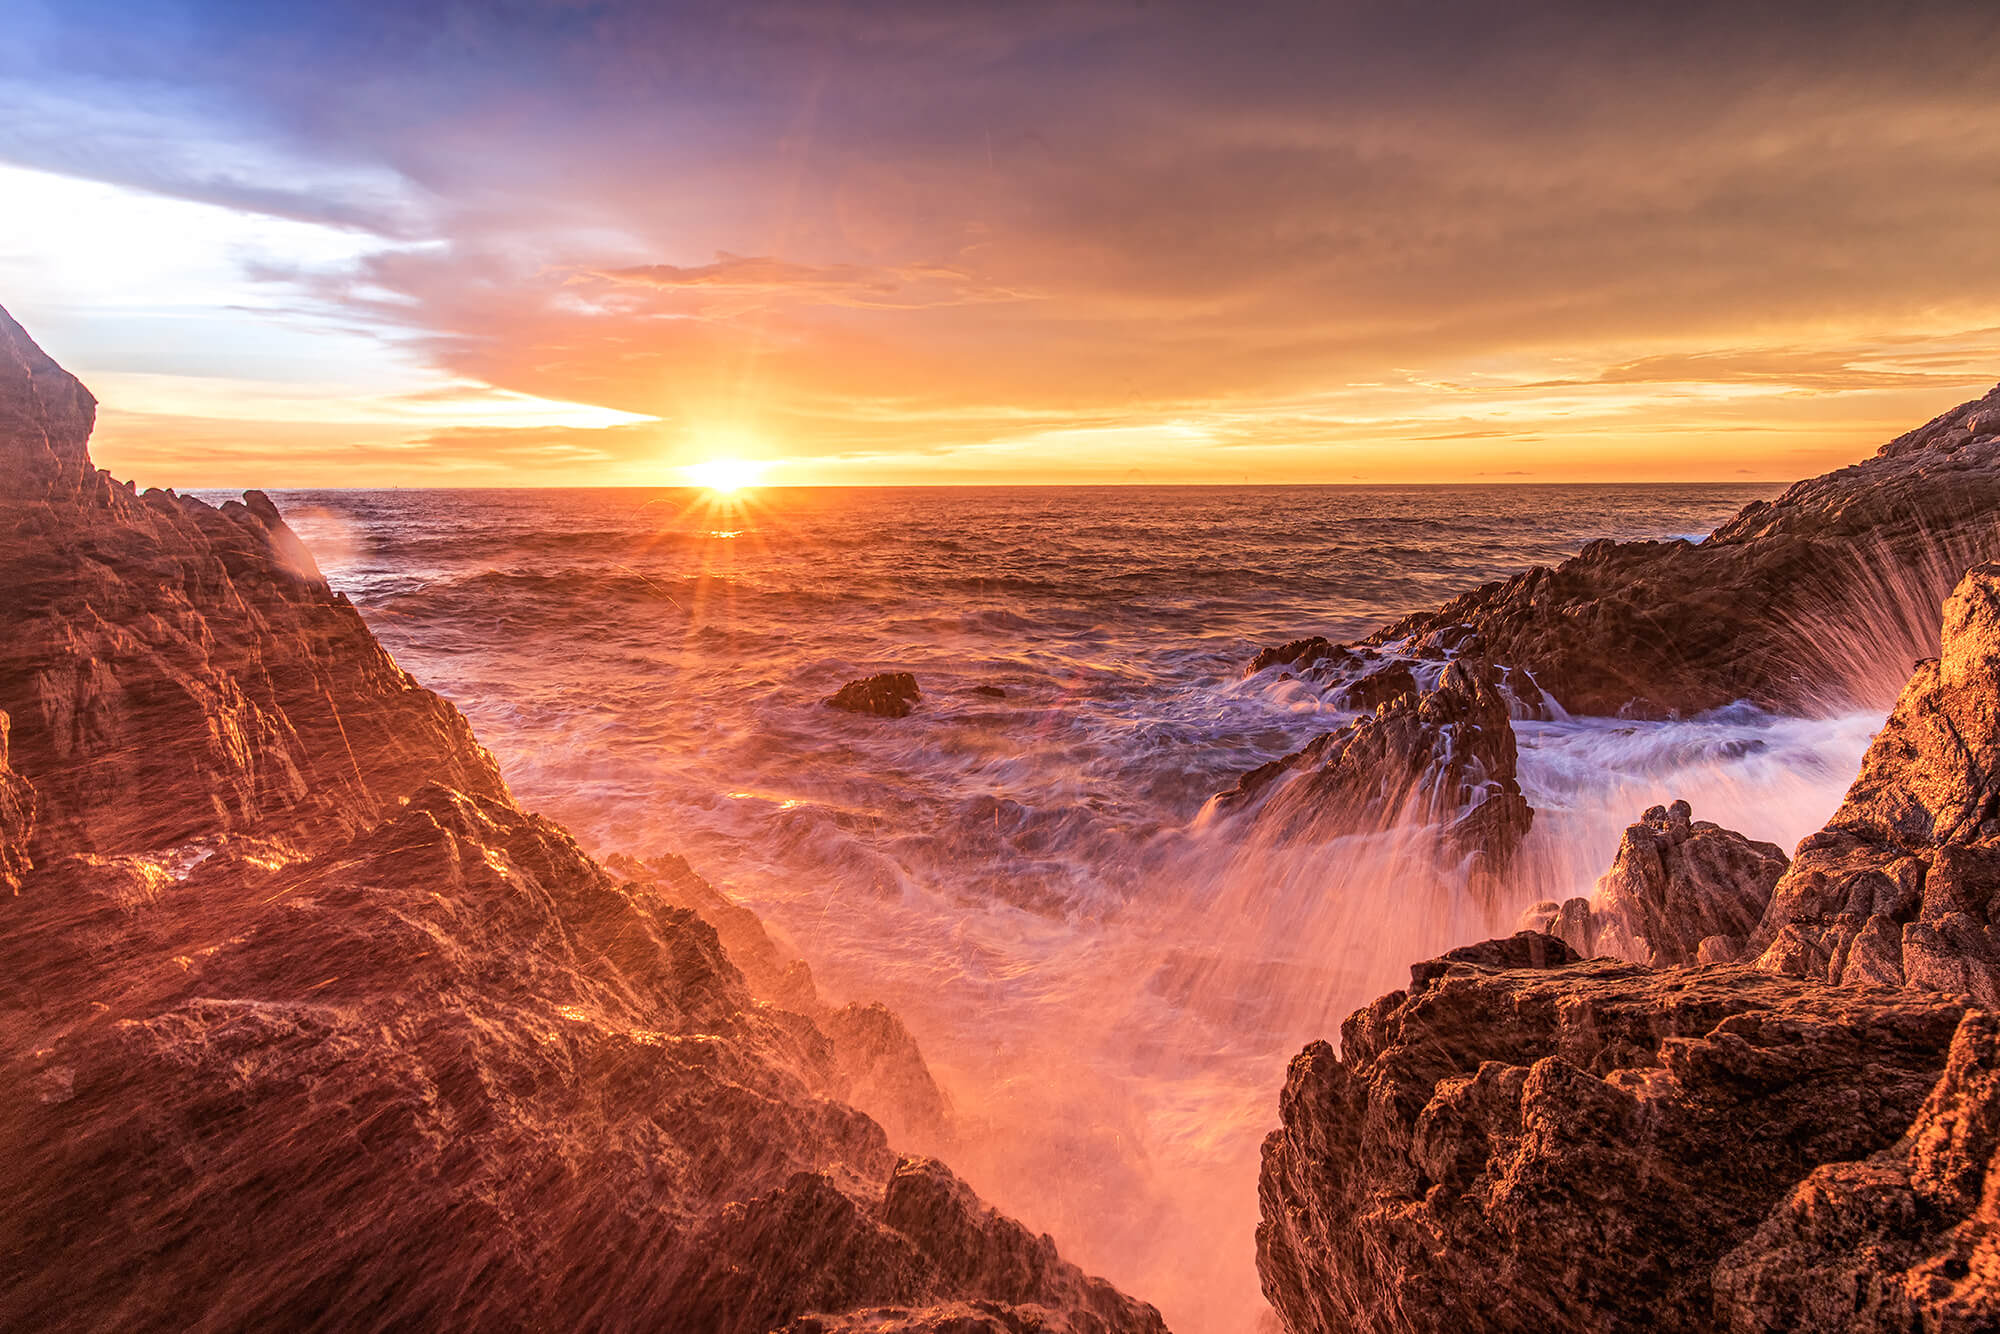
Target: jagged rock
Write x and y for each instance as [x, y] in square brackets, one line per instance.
[879, 1065]
[1677, 886]
[1816, 600]
[1906, 1240]
[1379, 687]
[1569, 1147]
[954, 1318]
[885, 1072]
[888, 695]
[929, 1239]
[772, 973]
[17, 818]
[1445, 758]
[1298, 653]
[45, 420]
[306, 1020]
[174, 671]
[1899, 886]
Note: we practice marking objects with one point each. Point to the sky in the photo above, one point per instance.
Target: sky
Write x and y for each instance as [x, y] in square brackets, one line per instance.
[577, 243]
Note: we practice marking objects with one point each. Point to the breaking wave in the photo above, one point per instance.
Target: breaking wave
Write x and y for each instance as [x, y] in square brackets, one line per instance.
[1108, 983]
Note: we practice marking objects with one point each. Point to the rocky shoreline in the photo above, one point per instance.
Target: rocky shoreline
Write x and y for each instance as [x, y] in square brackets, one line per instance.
[308, 1023]
[1773, 1106]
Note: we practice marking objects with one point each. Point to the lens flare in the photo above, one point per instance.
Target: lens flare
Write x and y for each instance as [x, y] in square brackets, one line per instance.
[724, 476]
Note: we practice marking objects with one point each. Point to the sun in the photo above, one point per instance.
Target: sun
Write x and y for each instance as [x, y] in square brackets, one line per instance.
[724, 476]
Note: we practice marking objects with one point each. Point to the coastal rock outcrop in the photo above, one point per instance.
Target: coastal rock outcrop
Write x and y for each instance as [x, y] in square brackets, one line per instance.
[1899, 887]
[173, 671]
[1815, 601]
[1442, 759]
[1524, 1142]
[302, 1013]
[46, 416]
[886, 695]
[1680, 891]
[1908, 1239]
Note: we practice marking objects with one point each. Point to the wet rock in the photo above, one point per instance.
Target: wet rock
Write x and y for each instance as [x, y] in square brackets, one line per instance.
[1571, 1146]
[953, 1318]
[928, 1239]
[1899, 887]
[1816, 601]
[1379, 687]
[17, 818]
[45, 420]
[1444, 759]
[885, 1072]
[1300, 653]
[1908, 1239]
[1677, 886]
[174, 672]
[888, 695]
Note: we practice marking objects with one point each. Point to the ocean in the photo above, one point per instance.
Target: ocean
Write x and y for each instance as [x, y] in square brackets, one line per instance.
[1107, 979]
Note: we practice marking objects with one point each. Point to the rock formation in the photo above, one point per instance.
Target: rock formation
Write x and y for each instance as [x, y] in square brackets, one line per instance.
[306, 1020]
[1816, 600]
[876, 1059]
[1444, 758]
[1680, 891]
[1525, 1142]
[1899, 886]
[1908, 1239]
[887, 695]
[174, 671]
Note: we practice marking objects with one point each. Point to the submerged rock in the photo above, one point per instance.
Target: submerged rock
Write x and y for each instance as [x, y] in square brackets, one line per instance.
[1817, 600]
[303, 1014]
[888, 695]
[1519, 1142]
[1444, 759]
[1899, 887]
[1678, 886]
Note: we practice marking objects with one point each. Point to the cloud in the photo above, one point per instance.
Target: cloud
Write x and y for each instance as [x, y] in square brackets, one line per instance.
[907, 286]
[928, 228]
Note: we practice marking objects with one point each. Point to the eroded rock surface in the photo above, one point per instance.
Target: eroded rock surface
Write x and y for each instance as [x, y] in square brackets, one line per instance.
[1906, 1240]
[1680, 891]
[1570, 1146]
[1444, 758]
[303, 1019]
[173, 671]
[1817, 600]
[1899, 886]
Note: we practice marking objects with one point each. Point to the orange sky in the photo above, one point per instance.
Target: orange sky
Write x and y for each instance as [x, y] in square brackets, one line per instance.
[590, 243]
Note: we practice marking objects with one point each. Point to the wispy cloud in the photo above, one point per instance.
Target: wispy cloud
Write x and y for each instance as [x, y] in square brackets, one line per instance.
[1400, 238]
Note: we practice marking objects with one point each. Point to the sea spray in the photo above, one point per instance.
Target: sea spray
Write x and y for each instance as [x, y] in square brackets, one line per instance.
[1109, 988]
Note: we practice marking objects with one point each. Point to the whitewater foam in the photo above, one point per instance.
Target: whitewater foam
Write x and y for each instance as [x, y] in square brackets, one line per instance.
[1108, 985]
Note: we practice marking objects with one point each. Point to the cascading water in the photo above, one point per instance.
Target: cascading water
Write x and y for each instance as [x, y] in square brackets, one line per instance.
[1108, 984]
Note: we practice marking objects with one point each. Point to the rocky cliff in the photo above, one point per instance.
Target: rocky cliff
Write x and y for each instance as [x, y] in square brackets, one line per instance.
[1808, 1140]
[308, 1024]
[1525, 1141]
[1817, 600]
[1899, 886]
